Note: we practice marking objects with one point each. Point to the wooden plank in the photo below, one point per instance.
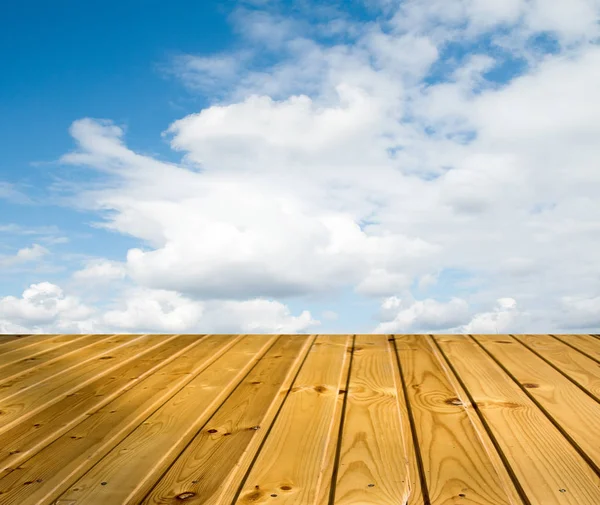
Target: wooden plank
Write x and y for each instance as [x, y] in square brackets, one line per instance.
[12, 370]
[330, 459]
[25, 439]
[548, 468]
[372, 467]
[291, 461]
[564, 402]
[408, 434]
[42, 478]
[32, 346]
[33, 378]
[586, 344]
[132, 467]
[25, 396]
[578, 367]
[9, 338]
[456, 453]
[210, 468]
[25, 340]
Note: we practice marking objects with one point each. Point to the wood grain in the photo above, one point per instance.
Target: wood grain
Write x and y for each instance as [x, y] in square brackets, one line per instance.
[300, 419]
[290, 463]
[373, 467]
[25, 396]
[542, 460]
[207, 470]
[42, 478]
[578, 367]
[586, 344]
[564, 402]
[135, 464]
[20, 349]
[26, 439]
[31, 363]
[456, 462]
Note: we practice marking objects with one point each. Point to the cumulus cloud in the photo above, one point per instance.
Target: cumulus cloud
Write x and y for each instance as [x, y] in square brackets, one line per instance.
[423, 316]
[45, 308]
[372, 163]
[501, 319]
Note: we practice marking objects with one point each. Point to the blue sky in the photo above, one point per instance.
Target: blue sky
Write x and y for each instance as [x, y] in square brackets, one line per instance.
[299, 166]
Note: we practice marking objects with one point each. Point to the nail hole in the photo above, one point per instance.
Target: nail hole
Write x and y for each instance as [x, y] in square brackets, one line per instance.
[371, 485]
[563, 490]
[462, 495]
[212, 431]
[103, 483]
[274, 496]
[285, 488]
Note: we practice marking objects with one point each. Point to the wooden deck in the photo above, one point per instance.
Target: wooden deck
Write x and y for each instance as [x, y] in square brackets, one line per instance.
[300, 419]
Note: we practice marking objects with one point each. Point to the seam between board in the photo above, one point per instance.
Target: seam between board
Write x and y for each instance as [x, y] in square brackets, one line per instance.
[573, 347]
[556, 424]
[338, 447]
[209, 418]
[264, 440]
[509, 469]
[589, 393]
[413, 429]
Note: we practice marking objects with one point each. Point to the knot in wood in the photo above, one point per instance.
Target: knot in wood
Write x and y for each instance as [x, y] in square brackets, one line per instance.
[186, 495]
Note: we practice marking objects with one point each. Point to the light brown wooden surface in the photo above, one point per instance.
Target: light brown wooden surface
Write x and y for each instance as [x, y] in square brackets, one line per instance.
[300, 419]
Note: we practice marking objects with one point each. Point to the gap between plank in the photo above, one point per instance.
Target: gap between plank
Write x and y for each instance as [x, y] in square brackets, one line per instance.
[589, 393]
[413, 430]
[338, 448]
[573, 347]
[563, 432]
[487, 428]
[264, 440]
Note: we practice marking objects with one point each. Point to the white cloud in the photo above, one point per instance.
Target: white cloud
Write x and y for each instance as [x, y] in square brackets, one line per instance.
[24, 255]
[100, 270]
[45, 308]
[339, 167]
[155, 310]
[502, 319]
[423, 316]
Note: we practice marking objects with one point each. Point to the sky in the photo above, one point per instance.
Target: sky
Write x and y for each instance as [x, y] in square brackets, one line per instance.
[300, 166]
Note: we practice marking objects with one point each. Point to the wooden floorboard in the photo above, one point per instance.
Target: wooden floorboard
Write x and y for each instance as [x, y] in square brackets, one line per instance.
[300, 419]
